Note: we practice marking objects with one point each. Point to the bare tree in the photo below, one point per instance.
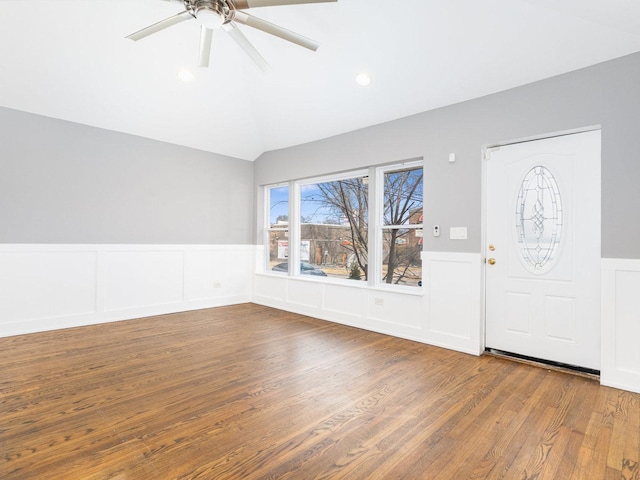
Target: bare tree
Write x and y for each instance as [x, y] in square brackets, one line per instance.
[402, 203]
[349, 198]
[402, 199]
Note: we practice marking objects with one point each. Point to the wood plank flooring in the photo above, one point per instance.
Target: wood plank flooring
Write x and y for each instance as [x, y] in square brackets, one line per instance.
[249, 392]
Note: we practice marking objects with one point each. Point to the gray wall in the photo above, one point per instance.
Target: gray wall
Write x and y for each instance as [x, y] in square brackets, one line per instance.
[62, 182]
[607, 94]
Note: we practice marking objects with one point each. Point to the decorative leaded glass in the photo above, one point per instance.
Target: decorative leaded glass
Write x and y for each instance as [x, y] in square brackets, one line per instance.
[538, 219]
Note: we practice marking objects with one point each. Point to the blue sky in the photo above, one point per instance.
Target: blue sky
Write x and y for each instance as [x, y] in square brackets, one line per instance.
[314, 208]
[279, 203]
[311, 205]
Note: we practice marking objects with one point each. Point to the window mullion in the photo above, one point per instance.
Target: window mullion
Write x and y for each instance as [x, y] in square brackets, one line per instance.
[376, 202]
[266, 226]
[294, 229]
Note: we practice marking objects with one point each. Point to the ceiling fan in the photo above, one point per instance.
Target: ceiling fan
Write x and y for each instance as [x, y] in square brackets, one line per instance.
[225, 14]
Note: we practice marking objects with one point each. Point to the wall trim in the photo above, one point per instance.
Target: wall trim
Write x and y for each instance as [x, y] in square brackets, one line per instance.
[52, 286]
[620, 355]
[48, 287]
[453, 287]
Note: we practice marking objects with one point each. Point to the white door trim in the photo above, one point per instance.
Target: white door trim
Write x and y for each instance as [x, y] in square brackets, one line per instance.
[533, 138]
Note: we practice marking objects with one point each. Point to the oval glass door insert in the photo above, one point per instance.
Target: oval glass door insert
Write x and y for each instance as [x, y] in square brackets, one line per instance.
[538, 219]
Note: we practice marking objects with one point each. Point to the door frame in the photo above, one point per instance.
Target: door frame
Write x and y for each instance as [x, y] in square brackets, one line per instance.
[483, 213]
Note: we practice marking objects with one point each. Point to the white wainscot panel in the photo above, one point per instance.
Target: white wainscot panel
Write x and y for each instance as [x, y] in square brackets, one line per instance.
[47, 287]
[453, 286]
[305, 293]
[235, 269]
[203, 277]
[142, 278]
[344, 300]
[395, 309]
[216, 272]
[384, 311]
[46, 284]
[620, 366]
[271, 287]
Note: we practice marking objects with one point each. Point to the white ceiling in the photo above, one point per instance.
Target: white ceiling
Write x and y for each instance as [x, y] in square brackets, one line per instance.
[69, 59]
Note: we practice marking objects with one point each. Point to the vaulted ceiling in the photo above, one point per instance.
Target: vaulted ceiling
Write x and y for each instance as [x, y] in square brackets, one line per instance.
[69, 59]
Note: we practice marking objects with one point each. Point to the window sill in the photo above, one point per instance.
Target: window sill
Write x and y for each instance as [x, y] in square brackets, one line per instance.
[397, 289]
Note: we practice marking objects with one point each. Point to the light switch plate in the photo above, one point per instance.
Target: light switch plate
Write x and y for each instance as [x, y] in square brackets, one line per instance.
[458, 233]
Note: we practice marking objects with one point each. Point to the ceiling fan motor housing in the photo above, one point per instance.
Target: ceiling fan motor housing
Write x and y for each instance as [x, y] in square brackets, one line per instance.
[210, 13]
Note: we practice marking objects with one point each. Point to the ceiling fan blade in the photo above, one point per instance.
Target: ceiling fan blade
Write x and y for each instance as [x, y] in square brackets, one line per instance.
[242, 4]
[206, 35]
[249, 49]
[268, 27]
[161, 25]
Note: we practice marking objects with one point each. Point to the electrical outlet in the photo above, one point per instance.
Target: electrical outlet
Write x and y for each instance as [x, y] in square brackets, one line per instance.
[379, 301]
[217, 285]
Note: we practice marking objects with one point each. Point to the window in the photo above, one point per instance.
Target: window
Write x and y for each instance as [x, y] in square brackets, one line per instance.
[331, 221]
[401, 225]
[334, 226]
[538, 219]
[277, 229]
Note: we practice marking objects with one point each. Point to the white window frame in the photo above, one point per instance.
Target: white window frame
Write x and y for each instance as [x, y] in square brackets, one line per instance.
[297, 202]
[380, 227]
[268, 229]
[375, 223]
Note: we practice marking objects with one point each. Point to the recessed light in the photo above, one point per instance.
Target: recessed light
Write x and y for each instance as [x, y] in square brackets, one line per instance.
[185, 75]
[363, 79]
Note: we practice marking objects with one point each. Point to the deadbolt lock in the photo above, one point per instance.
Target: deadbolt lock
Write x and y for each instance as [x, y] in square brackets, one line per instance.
[492, 247]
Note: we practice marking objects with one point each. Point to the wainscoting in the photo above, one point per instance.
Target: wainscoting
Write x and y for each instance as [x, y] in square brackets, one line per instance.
[453, 301]
[445, 312]
[621, 324]
[47, 287]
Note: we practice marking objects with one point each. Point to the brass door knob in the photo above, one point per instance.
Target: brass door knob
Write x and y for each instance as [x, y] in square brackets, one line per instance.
[491, 261]
[492, 247]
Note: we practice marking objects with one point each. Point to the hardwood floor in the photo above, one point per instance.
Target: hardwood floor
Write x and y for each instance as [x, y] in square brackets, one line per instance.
[249, 392]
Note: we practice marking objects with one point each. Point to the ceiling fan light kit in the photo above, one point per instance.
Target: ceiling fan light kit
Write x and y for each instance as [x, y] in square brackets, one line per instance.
[209, 14]
[214, 14]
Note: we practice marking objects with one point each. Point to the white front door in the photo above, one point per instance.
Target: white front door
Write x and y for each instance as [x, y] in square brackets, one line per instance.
[543, 249]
